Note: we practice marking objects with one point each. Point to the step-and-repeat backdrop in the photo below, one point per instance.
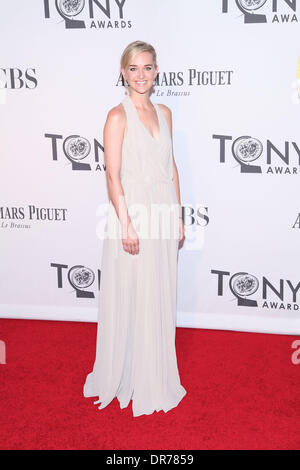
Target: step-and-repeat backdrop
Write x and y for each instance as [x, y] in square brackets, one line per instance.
[229, 72]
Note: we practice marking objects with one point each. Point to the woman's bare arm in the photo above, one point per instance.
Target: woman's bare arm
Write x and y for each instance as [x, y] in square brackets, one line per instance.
[113, 134]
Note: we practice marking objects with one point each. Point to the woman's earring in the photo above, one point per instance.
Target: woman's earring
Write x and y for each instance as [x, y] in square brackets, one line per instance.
[126, 86]
[153, 85]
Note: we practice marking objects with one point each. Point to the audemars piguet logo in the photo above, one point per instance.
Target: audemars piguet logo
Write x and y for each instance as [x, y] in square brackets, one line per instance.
[24, 217]
[249, 291]
[182, 82]
[88, 14]
[263, 11]
[254, 156]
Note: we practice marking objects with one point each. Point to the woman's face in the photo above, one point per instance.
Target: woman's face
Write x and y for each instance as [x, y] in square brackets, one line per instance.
[140, 72]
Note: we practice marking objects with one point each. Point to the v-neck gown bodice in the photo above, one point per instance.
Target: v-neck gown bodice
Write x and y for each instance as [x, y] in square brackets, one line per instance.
[135, 350]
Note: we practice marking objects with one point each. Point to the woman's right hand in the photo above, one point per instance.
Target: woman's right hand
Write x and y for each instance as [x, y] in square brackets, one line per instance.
[130, 241]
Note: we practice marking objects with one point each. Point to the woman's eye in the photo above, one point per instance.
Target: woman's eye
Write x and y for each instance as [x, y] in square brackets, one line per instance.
[132, 69]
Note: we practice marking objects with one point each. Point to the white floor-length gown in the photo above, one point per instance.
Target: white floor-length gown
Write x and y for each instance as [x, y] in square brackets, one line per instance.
[135, 352]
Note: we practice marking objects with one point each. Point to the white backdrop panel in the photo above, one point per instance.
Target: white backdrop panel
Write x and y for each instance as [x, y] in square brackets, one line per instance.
[223, 79]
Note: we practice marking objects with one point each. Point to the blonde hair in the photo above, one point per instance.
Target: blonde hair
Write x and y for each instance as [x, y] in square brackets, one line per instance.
[135, 48]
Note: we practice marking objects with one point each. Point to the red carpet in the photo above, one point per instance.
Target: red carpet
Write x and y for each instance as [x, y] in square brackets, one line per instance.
[242, 393]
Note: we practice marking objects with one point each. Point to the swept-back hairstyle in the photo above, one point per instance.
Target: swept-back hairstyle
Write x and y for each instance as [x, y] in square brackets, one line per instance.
[135, 48]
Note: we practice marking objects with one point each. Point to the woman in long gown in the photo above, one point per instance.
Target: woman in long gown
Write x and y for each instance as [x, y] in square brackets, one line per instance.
[135, 351]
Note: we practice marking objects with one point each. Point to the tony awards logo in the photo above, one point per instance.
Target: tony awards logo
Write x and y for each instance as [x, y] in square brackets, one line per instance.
[248, 8]
[77, 148]
[246, 149]
[81, 277]
[284, 11]
[279, 295]
[68, 10]
[242, 285]
[109, 12]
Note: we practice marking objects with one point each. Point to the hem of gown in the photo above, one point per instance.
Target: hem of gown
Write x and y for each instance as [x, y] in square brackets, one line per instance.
[166, 408]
